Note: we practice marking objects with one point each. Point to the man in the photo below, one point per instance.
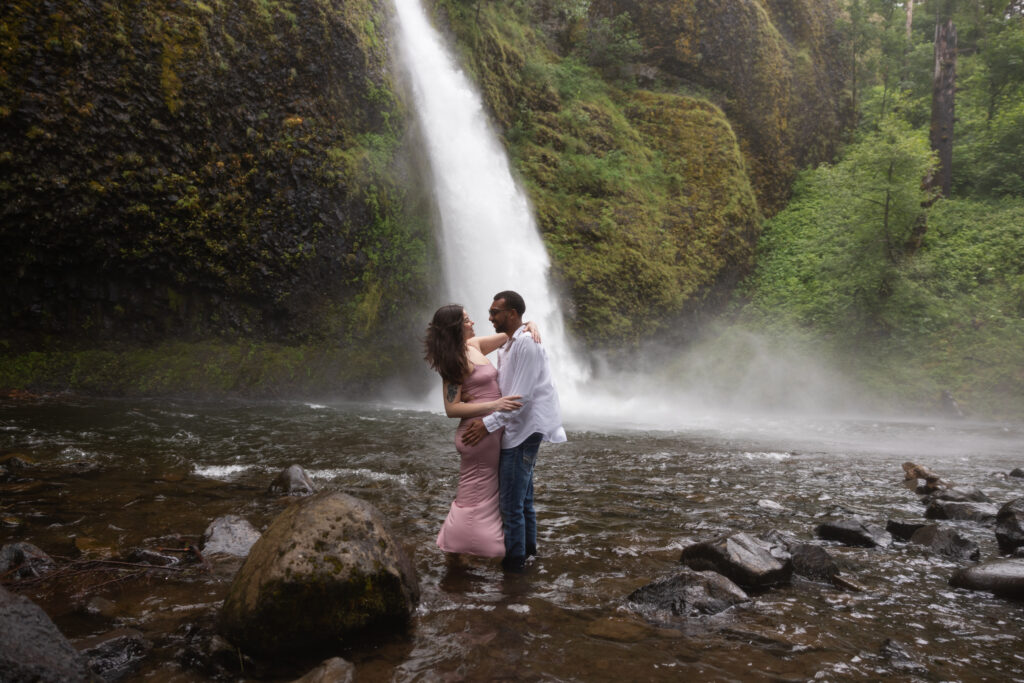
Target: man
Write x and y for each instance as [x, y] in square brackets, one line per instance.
[522, 370]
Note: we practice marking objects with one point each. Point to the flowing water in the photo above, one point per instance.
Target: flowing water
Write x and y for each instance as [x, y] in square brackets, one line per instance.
[615, 509]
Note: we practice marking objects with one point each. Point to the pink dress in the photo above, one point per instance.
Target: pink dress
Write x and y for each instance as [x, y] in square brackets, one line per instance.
[473, 525]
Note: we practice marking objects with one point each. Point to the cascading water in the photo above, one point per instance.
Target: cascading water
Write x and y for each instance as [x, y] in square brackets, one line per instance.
[489, 241]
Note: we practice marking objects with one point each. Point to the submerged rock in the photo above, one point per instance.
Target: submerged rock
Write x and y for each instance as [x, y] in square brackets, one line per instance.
[292, 481]
[746, 560]
[24, 560]
[114, 655]
[229, 535]
[690, 594]
[854, 532]
[334, 670]
[1004, 577]
[325, 572]
[900, 659]
[32, 650]
[945, 541]
[963, 511]
[1010, 526]
[960, 494]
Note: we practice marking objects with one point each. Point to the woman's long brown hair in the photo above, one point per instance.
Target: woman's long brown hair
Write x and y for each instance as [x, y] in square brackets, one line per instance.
[444, 347]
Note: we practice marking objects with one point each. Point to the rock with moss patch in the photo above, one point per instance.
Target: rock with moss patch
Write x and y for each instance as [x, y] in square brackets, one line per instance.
[325, 573]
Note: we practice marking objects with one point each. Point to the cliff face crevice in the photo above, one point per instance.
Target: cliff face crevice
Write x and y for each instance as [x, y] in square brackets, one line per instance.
[189, 169]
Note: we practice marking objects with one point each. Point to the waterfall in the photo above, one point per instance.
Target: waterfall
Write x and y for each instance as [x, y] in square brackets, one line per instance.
[489, 240]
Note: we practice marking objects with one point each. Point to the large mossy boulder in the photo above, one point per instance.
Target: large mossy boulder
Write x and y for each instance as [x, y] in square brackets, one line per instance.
[325, 573]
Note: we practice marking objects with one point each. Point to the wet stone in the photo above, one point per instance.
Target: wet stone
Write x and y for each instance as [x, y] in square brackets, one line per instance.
[960, 494]
[900, 659]
[1017, 472]
[1003, 577]
[32, 648]
[1010, 526]
[292, 481]
[855, 532]
[690, 593]
[24, 561]
[334, 670]
[116, 654]
[984, 513]
[229, 535]
[901, 529]
[947, 542]
[745, 560]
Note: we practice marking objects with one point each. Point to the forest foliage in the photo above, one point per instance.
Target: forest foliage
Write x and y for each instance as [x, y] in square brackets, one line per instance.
[924, 293]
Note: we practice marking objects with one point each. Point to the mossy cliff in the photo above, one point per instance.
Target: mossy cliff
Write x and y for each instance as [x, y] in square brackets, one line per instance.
[193, 170]
[652, 137]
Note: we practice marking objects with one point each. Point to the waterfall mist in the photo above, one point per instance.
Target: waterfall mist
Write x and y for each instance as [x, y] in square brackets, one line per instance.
[489, 242]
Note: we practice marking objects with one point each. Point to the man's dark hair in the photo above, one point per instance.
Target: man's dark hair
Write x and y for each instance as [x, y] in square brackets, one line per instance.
[513, 301]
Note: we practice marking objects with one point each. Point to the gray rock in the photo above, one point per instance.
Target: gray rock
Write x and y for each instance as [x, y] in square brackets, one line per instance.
[945, 541]
[960, 494]
[32, 650]
[326, 571]
[1017, 472]
[292, 481]
[116, 654]
[24, 560]
[690, 594]
[984, 513]
[809, 560]
[854, 532]
[334, 670]
[1004, 577]
[742, 558]
[1010, 526]
[229, 535]
[900, 659]
[901, 529]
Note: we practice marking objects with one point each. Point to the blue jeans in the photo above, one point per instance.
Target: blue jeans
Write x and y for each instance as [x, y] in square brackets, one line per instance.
[515, 496]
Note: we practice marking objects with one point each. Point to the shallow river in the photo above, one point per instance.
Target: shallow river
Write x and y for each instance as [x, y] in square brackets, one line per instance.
[615, 509]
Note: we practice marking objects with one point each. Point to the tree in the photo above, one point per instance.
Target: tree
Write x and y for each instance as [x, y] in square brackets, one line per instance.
[944, 97]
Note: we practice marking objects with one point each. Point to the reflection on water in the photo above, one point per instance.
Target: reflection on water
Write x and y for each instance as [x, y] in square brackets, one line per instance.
[616, 507]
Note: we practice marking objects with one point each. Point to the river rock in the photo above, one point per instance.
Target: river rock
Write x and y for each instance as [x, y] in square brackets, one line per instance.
[1010, 526]
[945, 541]
[32, 650]
[809, 561]
[1004, 577]
[24, 560]
[116, 654]
[229, 535]
[326, 571]
[963, 511]
[746, 560]
[292, 481]
[334, 670]
[1017, 472]
[960, 494]
[690, 593]
[900, 659]
[854, 532]
[901, 529]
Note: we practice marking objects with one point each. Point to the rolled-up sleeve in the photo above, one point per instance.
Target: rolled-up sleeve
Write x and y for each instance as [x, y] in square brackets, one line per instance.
[520, 369]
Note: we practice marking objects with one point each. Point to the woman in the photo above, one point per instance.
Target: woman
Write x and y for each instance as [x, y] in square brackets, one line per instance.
[469, 386]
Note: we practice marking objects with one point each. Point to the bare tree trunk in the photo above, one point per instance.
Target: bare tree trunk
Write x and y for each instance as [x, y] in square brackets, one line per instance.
[910, 18]
[943, 101]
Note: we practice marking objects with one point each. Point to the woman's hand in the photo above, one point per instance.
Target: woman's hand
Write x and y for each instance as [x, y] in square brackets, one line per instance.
[534, 331]
[507, 403]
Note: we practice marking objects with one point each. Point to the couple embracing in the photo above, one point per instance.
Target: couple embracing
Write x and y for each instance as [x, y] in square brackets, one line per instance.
[505, 414]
